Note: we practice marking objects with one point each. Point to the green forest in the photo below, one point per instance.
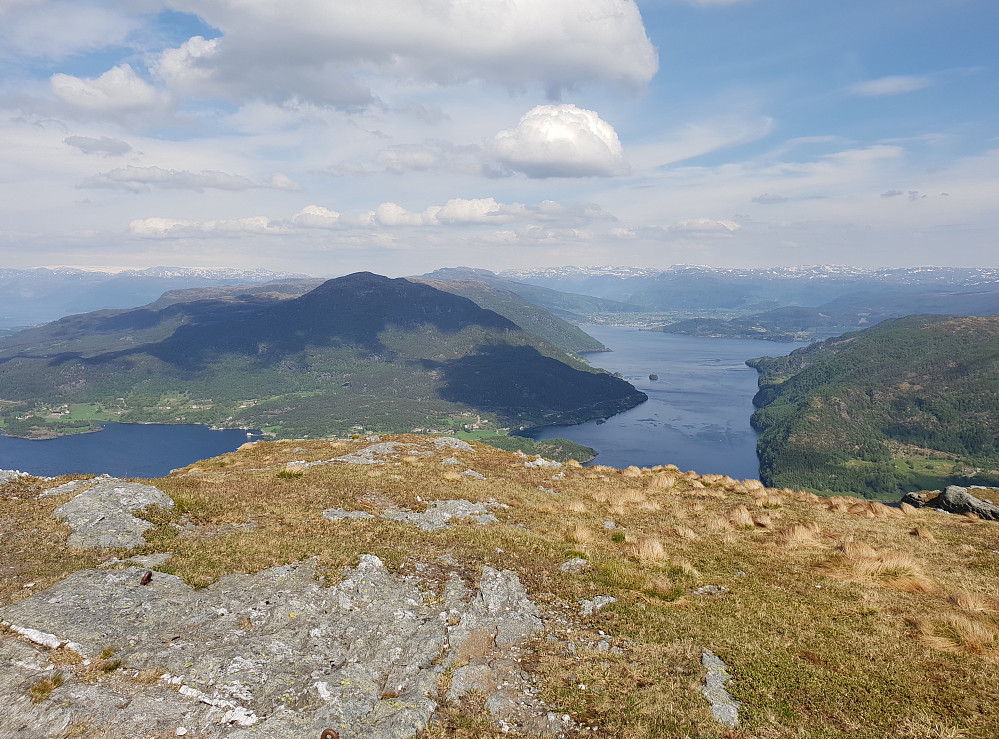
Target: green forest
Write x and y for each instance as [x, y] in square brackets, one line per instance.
[910, 404]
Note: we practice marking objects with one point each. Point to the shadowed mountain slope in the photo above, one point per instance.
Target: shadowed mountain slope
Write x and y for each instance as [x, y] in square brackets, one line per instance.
[361, 349]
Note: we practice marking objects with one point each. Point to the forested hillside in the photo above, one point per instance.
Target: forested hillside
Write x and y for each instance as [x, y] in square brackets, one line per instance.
[910, 404]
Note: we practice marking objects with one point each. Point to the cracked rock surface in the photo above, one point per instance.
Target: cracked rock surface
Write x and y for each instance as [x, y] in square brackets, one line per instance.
[101, 516]
[724, 707]
[273, 654]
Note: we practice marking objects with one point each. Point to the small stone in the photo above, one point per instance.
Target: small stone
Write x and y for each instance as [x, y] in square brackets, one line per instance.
[339, 514]
[589, 607]
[575, 565]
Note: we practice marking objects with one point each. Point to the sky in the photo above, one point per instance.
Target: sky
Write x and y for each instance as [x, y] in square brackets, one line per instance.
[400, 136]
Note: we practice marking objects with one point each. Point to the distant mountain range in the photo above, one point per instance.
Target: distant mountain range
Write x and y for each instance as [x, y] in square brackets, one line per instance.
[361, 350]
[34, 296]
[781, 303]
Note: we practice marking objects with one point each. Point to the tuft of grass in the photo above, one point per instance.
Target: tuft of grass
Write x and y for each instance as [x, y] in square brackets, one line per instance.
[43, 688]
[955, 632]
[647, 550]
[798, 535]
[663, 482]
[580, 533]
[740, 517]
[974, 602]
[895, 569]
[920, 533]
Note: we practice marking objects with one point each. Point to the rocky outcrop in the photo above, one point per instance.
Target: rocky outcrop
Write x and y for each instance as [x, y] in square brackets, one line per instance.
[724, 707]
[954, 500]
[274, 654]
[101, 516]
[435, 518]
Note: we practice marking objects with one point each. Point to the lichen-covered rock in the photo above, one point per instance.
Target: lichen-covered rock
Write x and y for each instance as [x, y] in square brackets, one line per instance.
[339, 514]
[440, 512]
[449, 442]
[954, 499]
[101, 516]
[724, 707]
[589, 607]
[8, 475]
[274, 654]
[575, 565]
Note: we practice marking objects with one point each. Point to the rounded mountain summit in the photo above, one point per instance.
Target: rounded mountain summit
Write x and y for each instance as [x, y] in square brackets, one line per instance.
[363, 349]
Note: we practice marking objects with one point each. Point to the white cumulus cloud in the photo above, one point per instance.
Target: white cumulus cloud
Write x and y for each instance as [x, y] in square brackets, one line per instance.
[316, 50]
[316, 216]
[561, 141]
[160, 228]
[118, 89]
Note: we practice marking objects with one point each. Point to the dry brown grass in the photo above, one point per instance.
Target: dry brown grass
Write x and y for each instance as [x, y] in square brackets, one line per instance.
[798, 535]
[628, 496]
[663, 482]
[576, 506]
[908, 510]
[631, 472]
[769, 501]
[974, 602]
[958, 633]
[42, 689]
[921, 533]
[741, 518]
[684, 532]
[647, 550]
[580, 533]
[894, 569]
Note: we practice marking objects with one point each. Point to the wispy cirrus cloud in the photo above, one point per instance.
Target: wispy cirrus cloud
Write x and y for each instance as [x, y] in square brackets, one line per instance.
[893, 85]
[144, 179]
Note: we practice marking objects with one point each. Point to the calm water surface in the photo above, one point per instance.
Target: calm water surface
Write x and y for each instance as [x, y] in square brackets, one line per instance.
[697, 414]
[120, 450]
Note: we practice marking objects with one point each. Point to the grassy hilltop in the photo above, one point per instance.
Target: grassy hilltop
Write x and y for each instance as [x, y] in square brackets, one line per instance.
[836, 617]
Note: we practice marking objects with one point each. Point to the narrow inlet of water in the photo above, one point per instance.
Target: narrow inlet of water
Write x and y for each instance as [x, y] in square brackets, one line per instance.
[697, 414]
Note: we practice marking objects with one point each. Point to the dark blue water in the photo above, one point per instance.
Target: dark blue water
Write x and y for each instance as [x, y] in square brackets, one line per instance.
[120, 450]
[697, 414]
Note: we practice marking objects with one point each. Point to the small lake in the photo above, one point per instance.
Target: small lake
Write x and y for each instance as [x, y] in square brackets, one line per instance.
[697, 414]
[120, 450]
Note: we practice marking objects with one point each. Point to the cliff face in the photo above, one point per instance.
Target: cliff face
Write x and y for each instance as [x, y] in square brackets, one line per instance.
[388, 587]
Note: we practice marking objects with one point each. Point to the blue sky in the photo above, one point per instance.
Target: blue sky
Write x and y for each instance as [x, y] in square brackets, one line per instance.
[404, 135]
